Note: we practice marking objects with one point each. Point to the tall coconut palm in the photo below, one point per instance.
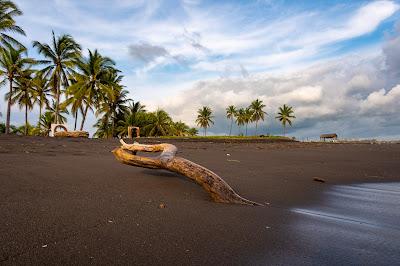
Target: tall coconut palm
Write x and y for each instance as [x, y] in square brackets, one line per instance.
[248, 114]
[258, 112]
[61, 56]
[230, 114]
[204, 118]
[12, 63]
[285, 114]
[8, 11]
[41, 93]
[23, 94]
[92, 80]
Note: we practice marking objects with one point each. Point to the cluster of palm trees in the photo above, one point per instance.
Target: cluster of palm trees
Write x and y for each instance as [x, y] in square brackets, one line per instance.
[66, 82]
[243, 116]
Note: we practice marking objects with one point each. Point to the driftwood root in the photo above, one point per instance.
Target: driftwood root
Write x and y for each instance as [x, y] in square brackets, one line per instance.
[218, 189]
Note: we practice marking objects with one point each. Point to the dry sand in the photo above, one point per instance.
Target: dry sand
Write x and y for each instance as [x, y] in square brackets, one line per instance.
[68, 201]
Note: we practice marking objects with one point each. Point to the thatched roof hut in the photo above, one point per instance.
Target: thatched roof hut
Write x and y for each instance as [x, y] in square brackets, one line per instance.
[328, 136]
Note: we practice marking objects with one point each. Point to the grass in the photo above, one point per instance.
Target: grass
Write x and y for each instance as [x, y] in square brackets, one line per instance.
[225, 137]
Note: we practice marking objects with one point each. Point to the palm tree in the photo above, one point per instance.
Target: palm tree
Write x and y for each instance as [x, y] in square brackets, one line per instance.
[204, 118]
[248, 114]
[134, 115]
[9, 10]
[114, 100]
[193, 132]
[159, 123]
[45, 122]
[23, 94]
[12, 63]
[230, 114]
[41, 92]
[284, 115]
[62, 112]
[240, 117]
[258, 112]
[60, 57]
[180, 129]
[92, 80]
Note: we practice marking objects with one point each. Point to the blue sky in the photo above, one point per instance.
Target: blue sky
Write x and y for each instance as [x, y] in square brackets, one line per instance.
[180, 55]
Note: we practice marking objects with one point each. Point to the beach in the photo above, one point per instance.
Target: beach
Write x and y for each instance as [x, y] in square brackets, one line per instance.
[68, 201]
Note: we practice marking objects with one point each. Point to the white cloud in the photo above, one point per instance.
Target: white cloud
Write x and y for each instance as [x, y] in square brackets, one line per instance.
[382, 102]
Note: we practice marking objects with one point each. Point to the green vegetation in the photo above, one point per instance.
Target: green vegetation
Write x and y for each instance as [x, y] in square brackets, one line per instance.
[285, 115]
[204, 118]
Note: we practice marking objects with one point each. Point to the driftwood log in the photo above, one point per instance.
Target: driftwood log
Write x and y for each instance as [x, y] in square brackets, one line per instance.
[218, 189]
[72, 134]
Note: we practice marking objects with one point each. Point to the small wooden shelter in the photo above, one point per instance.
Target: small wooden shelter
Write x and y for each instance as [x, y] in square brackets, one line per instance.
[332, 136]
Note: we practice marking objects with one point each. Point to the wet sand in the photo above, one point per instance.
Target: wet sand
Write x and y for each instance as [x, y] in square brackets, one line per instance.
[68, 201]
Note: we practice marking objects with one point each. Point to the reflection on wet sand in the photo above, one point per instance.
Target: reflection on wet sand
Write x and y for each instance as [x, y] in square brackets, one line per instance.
[359, 224]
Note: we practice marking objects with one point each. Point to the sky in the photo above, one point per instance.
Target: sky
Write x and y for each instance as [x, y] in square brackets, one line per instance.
[336, 62]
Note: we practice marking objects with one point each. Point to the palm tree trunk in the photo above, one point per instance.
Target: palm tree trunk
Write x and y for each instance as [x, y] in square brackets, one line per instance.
[205, 131]
[113, 124]
[84, 116]
[76, 119]
[40, 114]
[256, 126]
[26, 119]
[246, 128]
[284, 130]
[9, 108]
[230, 130]
[57, 97]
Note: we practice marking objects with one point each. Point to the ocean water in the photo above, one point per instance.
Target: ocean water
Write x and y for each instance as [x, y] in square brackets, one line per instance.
[355, 224]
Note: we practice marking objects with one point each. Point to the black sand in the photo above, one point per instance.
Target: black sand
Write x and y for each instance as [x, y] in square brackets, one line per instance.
[70, 202]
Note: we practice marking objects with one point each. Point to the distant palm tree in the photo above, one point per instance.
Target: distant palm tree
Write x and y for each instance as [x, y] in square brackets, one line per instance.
[240, 118]
[41, 92]
[12, 63]
[193, 132]
[258, 112]
[285, 115]
[204, 118]
[23, 94]
[248, 114]
[9, 10]
[180, 129]
[230, 114]
[159, 124]
[60, 56]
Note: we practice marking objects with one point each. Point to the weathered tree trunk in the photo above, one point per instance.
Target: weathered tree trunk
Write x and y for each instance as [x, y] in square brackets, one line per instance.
[72, 134]
[218, 189]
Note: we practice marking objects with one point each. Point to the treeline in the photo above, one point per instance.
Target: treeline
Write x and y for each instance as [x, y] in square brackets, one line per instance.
[64, 82]
[244, 116]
